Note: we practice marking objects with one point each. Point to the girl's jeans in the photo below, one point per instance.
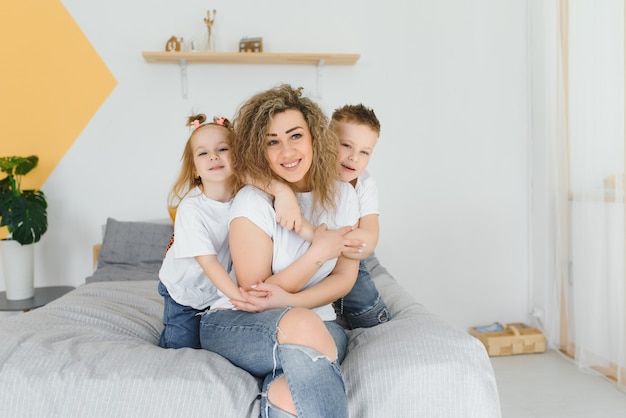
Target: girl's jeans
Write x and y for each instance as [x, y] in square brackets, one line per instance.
[181, 323]
[249, 341]
[362, 307]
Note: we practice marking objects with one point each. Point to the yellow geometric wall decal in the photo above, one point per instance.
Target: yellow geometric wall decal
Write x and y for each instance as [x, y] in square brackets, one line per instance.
[51, 84]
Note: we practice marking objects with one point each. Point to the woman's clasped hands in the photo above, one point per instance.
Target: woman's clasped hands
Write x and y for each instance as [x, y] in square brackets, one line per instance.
[327, 244]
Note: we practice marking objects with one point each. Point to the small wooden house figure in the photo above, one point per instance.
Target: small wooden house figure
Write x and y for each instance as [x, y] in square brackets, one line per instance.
[251, 45]
[173, 44]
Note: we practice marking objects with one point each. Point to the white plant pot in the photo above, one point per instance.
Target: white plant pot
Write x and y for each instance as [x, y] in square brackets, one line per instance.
[18, 263]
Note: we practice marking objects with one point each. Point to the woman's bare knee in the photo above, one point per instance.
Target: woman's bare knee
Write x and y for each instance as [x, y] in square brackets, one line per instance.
[304, 327]
[279, 395]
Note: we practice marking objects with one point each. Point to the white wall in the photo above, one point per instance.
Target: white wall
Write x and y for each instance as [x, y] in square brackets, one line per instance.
[447, 78]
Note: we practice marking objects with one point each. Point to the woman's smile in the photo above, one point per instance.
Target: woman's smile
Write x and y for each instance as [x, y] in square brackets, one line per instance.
[291, 165]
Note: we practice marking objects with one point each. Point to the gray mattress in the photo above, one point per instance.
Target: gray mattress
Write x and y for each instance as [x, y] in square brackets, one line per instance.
[93, 353]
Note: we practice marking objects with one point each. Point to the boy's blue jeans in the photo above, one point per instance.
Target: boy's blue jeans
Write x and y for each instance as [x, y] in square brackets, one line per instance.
[182, 323]
[249, 341]
[362, 307]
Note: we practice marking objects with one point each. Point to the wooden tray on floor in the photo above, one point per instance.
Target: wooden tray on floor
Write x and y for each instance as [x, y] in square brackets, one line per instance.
[516, 338]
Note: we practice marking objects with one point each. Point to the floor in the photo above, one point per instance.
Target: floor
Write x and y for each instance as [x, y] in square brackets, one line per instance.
[548, 385]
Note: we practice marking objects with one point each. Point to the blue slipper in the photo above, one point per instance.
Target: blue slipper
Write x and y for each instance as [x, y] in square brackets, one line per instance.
[495, 327]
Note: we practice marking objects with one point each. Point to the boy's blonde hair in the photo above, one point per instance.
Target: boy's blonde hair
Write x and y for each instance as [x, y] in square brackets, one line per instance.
[249, 147]
[358, 115]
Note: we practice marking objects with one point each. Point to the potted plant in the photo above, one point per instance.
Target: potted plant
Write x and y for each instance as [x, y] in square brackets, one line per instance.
[24, 213]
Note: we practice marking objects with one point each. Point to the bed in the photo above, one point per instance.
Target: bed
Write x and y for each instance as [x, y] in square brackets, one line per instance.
[94, 353]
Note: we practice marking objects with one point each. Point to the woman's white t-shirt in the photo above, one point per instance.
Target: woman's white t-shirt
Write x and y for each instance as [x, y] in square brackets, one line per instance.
[257, 206]
[201, 228]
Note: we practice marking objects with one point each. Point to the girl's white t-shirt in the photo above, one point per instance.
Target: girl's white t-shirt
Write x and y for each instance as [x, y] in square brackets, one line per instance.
[257, 206]
[367, 191]
[201, 228]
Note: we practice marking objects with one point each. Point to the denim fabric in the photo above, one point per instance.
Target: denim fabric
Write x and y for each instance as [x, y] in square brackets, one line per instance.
[363, 307]
[249, 341]
[181, 323]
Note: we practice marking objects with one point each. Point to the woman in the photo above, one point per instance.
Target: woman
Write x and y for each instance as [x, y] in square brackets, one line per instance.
[285, 331]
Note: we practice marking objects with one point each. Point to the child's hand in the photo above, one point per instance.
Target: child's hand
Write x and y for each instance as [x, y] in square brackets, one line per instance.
[287, 209]
[287, 216]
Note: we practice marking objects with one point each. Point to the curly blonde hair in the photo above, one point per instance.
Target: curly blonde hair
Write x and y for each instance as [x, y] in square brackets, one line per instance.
[249, 147]
[187, 180]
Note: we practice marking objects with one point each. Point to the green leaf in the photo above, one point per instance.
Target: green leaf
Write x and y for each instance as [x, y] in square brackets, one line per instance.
[18, 166]
[23, 212]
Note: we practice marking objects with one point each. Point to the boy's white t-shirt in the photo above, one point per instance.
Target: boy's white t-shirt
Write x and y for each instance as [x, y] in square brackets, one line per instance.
[201, 228]
[257, 206]
[367, 192]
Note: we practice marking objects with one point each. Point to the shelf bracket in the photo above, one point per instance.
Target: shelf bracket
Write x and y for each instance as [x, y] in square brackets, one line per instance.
[320, 77]
[183, 77]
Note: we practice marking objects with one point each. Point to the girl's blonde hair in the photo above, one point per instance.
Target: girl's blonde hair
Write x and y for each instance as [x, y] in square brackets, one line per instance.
[249, 146]
[187, 179]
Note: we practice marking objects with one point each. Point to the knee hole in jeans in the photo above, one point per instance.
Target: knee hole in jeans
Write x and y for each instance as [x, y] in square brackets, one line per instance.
[304, 327]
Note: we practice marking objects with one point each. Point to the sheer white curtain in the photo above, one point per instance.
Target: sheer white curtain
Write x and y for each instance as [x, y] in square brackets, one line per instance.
[576, 55]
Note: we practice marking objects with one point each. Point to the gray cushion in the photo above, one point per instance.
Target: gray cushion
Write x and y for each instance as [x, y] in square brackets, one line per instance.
[129, 244]
[125, 272]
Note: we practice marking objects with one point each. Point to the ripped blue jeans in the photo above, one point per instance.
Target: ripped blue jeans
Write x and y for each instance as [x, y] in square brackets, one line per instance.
[250, 341]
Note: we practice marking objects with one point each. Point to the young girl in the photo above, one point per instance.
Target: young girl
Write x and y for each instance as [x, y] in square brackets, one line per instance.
[292, 341]
[194, 273]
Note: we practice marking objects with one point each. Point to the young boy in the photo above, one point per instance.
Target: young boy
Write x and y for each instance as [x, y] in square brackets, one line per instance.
[357, 129]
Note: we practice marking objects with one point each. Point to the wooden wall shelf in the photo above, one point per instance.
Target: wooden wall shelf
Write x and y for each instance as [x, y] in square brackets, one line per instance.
[275, 58]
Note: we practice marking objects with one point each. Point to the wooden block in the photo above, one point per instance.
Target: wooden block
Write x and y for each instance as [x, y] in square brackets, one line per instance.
[517, 338]
[96, 252]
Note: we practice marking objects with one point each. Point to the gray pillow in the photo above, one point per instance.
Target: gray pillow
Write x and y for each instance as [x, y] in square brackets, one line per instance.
[125, 272]
[134, 243]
